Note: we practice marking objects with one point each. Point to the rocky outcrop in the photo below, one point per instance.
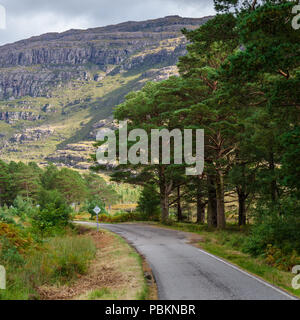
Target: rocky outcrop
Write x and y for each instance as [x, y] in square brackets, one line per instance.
[161, 74]
[31, 135]
[105, 123]
[20, 82]
[72, 80]
[48, 108]
[73, 155]
[63, 156]
[35, 66]
[11, 116]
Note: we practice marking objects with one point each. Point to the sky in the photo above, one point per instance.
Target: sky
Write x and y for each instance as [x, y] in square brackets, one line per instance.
[27, 18]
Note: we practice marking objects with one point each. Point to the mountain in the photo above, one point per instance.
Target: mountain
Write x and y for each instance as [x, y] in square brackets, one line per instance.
[58, 88]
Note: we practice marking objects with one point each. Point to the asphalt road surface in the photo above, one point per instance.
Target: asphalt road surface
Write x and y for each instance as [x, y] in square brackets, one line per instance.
[184, 272]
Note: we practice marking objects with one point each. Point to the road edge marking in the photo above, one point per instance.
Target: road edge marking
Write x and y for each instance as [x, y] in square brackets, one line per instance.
[249, 275]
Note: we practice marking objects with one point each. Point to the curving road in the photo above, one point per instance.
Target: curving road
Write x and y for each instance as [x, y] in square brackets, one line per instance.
[184, 272]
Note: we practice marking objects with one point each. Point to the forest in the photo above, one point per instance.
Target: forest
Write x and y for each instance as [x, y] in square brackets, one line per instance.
[240, 82]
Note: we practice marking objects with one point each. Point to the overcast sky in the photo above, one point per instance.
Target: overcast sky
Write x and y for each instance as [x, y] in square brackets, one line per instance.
[26, 18]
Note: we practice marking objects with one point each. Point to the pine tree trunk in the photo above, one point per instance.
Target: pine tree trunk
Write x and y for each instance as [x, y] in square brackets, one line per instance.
[165, 208]
[200, 205]
[273, 186]
[200, 212]
[212, 203]
[164, 196]
[242, 209]
[179, 210]
[221, 221]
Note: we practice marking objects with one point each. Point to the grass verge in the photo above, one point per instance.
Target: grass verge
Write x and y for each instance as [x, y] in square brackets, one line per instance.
[227, 245]
[116, 273]
[58, 262]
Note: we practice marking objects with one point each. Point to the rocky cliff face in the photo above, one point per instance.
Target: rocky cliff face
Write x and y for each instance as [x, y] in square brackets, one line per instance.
[11, 117]
[34, 66]
[56, 89]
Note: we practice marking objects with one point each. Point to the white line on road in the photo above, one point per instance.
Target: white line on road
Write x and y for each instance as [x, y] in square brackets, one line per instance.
[249, 275]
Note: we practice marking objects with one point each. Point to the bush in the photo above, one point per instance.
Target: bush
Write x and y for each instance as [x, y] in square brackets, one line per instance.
[21, 210]
[53, 215]
[104, 217]
[277, 258]
[16, 237]
[5, 216]
[90, 205]
[121, 217]
[126, 217]
[149, 203]
[9, 254]
[278, 226]
[14, 243]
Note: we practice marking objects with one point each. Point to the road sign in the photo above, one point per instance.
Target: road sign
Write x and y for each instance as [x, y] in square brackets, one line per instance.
[97, 210]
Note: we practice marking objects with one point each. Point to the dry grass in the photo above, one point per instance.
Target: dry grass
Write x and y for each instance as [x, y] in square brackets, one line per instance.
[115, 274]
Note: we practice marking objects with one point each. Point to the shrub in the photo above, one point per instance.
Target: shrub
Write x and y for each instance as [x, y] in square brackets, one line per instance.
[22, 208]
[126, 217]
[104, 217]
[14, 243]
[16, 237]
[121, 217]
[53, 215]
[149, 202]
[90, 205]
[9, 254]
[277, 258]
[278, 226]
[5, 216]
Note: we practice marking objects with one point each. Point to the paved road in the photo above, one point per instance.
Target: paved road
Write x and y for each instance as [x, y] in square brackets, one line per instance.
[184, 272]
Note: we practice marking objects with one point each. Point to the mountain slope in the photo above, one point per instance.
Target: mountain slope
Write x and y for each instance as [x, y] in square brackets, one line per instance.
[55, 88]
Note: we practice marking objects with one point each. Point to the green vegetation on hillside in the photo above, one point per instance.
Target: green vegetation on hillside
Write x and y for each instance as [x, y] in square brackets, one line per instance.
[39, 247]
[240, 83]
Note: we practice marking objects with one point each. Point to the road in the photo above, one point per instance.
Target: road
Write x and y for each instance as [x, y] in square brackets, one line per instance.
[184, 272]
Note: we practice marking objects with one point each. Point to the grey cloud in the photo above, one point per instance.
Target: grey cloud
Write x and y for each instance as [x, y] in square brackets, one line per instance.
[33, 17]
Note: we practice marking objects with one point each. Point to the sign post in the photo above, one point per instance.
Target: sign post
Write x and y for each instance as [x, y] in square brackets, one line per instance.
[97, 210]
